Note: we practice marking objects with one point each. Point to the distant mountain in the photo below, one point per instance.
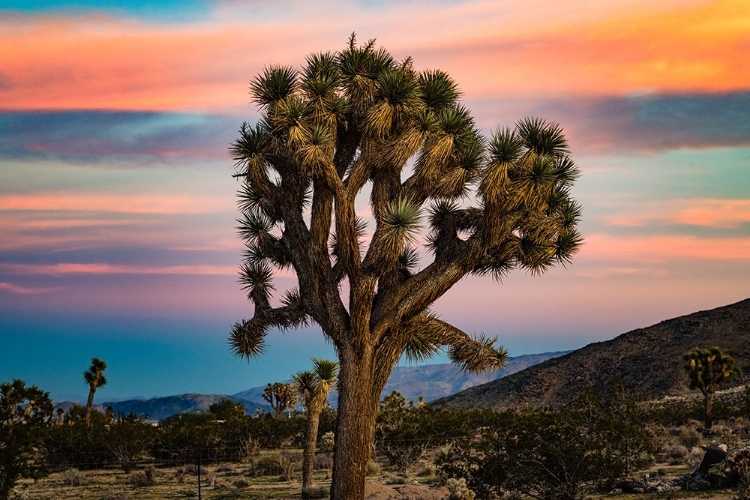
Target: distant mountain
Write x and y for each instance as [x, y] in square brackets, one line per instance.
[161, 408]
[437, 381]
[429, 381]
[648, 361]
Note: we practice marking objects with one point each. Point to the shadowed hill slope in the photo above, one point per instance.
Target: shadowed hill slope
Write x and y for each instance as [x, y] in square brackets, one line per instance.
[647, 360]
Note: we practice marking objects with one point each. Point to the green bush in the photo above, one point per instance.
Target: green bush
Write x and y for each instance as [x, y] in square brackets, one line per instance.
[553, 454]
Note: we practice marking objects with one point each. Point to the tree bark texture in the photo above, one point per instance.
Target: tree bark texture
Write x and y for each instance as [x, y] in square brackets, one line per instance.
[355, 427]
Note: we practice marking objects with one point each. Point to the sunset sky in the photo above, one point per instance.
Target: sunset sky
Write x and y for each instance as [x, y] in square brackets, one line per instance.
[117, 205]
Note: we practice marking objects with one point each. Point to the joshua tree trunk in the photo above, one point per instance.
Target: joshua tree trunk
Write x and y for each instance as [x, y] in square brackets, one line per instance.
[89, 406]
[708, 403]
[355, 427]
[308, 463]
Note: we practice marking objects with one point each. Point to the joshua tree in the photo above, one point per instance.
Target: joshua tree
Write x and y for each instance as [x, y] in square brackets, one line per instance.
[314, 386]
[95, 379]
[280, 397]
[707, 369]
[359, 122]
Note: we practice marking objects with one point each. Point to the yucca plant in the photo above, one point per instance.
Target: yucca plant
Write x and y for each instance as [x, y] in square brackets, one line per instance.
[358, 119]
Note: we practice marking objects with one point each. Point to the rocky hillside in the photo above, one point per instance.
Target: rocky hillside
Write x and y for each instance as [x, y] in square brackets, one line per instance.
[647, 360]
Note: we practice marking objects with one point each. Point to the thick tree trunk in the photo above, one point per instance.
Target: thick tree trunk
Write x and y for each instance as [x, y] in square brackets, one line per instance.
[708, 407]
[355, 427]
[308, 457]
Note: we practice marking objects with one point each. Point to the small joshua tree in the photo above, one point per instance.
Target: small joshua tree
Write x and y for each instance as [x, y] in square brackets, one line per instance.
[95, 379]
[707, 369]
[280, 396]
[314, 386]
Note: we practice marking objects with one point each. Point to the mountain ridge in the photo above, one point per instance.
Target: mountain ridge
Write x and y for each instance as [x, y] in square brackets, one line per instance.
[429, 381]
[648, 361]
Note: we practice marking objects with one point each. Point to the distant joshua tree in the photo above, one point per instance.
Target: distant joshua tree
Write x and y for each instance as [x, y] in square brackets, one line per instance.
[280, 396]
[314, 386]
[95, 379]
[707, 369]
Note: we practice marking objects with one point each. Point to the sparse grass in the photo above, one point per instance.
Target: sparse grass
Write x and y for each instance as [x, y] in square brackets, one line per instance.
[238, 481]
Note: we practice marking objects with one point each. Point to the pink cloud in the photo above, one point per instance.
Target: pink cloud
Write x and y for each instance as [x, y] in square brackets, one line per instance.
[102, 268]
[655, 249]
[24, 290]
[120, 203]
[705, 212]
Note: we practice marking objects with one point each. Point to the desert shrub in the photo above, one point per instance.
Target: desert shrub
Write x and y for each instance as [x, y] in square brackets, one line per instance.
[138, 479]
[323, 461]
[248, 448]
[373, 468]
[119, 495]
[458, 490]
[675, 455]
[316, 492]
[240, 483]
[689, 437]
[143, 478]
[553, 454]
[267, 465]
[289, 462]
[128, 440]
[188, 438]
[73, 477]
[327, 441]
[406, 432]
[396, 480]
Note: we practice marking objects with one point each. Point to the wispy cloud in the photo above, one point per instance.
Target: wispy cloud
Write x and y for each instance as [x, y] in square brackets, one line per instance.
[636, 250]
[91, 135]
[712, 213]
[25, 290]
[104, 268]
[120, 203]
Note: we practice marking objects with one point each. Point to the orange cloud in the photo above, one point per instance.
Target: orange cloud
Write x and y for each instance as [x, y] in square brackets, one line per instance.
[99, 268]
[656, 249]
[135, 204]
[622, 47]
[705, 212]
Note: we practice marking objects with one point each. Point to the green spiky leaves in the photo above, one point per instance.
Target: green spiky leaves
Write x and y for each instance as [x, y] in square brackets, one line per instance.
[478, 354]
[248, 338]
[439, 91]
[400, 222]
[275, 84]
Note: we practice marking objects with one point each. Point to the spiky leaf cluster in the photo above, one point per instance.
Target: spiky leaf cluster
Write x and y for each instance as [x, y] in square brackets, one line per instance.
[359, 118]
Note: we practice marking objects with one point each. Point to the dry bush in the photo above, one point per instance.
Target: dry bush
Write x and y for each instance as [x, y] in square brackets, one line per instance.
[675, 454]
[289, 462]
[689, 437]
[73, 477]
